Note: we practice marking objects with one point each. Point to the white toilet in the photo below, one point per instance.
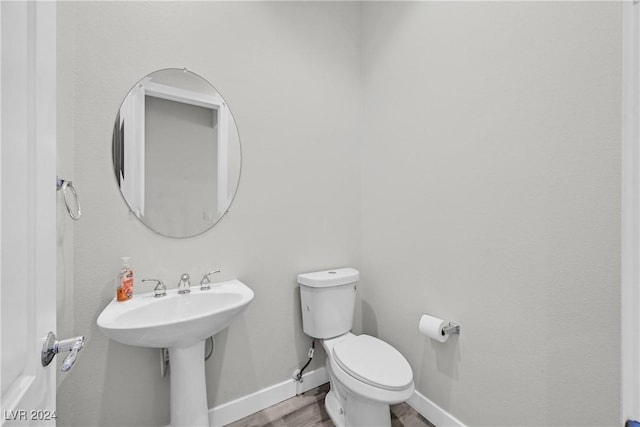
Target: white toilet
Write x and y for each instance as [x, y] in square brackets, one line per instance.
[366, 374]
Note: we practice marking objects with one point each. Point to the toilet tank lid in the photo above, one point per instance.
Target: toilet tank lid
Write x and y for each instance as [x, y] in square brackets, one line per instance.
[326, 278]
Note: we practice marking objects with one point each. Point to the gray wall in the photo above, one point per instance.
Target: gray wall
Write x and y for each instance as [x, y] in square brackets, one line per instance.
[484, 188]
[491, 197]
[290, 74]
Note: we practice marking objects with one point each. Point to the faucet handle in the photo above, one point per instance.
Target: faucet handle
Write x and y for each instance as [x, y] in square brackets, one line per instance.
[205, 283]
[160, 290]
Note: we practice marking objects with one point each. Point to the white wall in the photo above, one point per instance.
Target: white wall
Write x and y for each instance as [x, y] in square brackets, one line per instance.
[290, 74]
[65, 169]
[491, 197]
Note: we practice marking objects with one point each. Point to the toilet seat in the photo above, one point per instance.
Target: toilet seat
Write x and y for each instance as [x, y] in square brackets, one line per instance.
[355, 386]
[374, 362]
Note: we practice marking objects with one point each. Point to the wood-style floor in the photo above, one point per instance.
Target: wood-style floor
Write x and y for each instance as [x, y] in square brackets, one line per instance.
[307, 410]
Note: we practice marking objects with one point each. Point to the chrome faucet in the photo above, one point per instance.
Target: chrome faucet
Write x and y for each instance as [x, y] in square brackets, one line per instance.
[160, 290]
[184, 286]
[205, 283]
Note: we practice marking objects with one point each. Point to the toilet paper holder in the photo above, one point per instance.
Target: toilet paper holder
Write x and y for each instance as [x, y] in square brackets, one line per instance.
[451, 329]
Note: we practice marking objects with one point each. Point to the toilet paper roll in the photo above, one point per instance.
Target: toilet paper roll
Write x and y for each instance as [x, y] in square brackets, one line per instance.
[433, 328]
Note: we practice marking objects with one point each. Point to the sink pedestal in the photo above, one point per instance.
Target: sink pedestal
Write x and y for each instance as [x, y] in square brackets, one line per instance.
[188, 386]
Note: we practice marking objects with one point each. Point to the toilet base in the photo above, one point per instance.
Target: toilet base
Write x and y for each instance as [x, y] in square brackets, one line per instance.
[348, 410]
[335, 411]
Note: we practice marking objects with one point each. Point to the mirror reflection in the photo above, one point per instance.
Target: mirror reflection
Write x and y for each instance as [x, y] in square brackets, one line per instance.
[176, 153]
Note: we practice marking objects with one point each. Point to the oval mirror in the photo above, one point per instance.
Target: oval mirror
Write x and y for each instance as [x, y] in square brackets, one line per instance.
[176, 153]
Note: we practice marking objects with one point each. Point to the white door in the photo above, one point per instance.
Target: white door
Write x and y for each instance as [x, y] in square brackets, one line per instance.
[27, 210]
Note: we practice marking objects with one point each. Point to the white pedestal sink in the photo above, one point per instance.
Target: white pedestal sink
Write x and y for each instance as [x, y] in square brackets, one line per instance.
[180, 323]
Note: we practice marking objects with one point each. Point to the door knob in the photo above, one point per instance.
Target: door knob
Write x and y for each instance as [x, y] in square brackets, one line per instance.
[51, 346]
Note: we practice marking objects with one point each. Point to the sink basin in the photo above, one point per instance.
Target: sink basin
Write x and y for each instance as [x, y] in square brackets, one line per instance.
[175, 320]
[180, 323]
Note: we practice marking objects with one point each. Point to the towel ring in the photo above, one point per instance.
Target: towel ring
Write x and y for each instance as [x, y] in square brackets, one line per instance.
[63, 185]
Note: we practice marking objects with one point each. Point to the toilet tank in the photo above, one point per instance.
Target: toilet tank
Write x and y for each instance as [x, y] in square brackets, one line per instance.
[328, 299]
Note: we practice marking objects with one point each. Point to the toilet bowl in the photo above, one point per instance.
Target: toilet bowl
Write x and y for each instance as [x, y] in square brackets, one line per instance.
[366, 374]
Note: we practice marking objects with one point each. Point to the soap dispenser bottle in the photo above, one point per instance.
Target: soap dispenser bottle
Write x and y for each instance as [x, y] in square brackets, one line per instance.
[124, 282]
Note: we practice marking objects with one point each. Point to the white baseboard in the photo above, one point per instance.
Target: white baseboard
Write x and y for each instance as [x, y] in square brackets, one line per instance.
[237, 409]
[433, 412]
